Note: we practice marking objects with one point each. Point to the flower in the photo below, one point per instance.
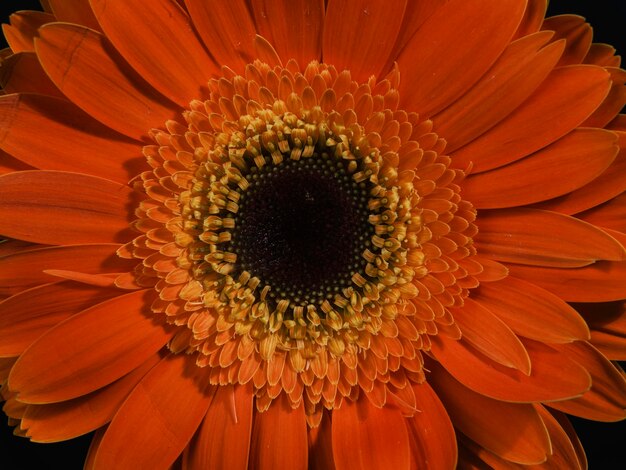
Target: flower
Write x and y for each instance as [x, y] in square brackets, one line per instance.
[324, 234]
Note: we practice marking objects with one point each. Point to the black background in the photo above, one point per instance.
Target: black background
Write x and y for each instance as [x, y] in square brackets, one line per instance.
[603, 442]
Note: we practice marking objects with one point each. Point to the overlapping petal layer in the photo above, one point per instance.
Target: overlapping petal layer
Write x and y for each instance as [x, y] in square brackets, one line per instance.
[488, 148]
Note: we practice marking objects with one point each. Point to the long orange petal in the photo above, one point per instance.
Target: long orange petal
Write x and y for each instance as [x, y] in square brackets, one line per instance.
[458, 30]
[85, 67]
[360, 38]
[475, 457]
[22, 72]
[23, 29]
[563, 451]
[89, 350]
[611, 214]
[606, 400]
[231, 413]
[553, 376]
[613, 103]
[159, 43]
[607, 322]
[491, 336]
[531, 311]
[159, 418]
[603, 55]
[25, 268]
[602, 281]
[365, 436]
[53, 134]
[64, 208]
[577, 159]
[9, 164]
[516, 74]
[26, 316]
[10, 247]
[432, 433]
[74, 11]
[575, 31]
[6, 364]
[488, 422]
[611, 183]
[93, 449]
[533, 17]
[321, 445]
[227, 30]
[543, 238]
[56, 422]
[564, 100]
[573, 436]
[279, 437]
[415, 16]
[294, 27]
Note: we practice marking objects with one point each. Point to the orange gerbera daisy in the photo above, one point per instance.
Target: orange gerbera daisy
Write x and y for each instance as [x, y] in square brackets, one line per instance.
[307, 233]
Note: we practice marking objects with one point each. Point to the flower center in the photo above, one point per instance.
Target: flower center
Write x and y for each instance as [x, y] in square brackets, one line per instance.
[302, 227]
[304, 234]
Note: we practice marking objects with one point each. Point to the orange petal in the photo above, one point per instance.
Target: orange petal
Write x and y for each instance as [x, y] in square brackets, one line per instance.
[516, 74]
[564, 100]
[93, 449]
[279, 437]
[25, 269]
[10, 247]
[431, 432]
[227, 30]
[8, 164]
[365, 436]
[613, 103]
[24, 317]
[89, 350]
[543, 238]
[491, 336]
[415, 15]
[577, 159]
[531, 311]
[607, 322]
[553, 376]
[475, 457]
[563, 451]
[99, 280]
[159, 43]
[577, 34]
[611, 183]
[69, 419]
[53, 134]
[23, 29]
[602, 281]
[230, 413]
[63, 208]
[85, 67]
[602, 54]
[489, 422]
[533, 18]
[360, 38]
[294, 27]
[320, 445]
[606, 400]
[22, 72]
[573, 437]
[158, 419]
[611, 214]
[458, 30]
[74, 11]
